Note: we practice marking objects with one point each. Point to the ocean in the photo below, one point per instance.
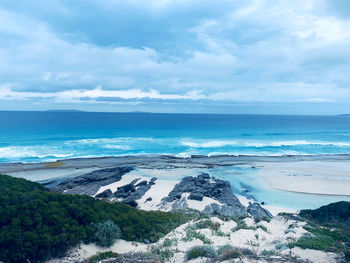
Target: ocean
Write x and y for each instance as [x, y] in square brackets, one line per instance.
[48, 136]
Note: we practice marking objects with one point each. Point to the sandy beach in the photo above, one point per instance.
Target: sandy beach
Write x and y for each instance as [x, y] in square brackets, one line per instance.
[281, 182]
[311, 177]
[326, 176]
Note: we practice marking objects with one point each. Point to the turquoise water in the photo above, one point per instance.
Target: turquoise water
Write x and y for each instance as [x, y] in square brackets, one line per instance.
[245, 181]
[48, 136]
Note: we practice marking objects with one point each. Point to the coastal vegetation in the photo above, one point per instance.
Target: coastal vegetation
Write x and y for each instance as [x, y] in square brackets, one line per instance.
[201, 251]
[37, 224]
[329, 228]
[101, 256]
[107, 233]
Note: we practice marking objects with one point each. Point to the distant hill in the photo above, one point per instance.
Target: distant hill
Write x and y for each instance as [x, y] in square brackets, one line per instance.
[64, 111]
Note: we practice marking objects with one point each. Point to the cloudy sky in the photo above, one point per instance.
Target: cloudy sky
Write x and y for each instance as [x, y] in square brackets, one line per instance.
[234, 56]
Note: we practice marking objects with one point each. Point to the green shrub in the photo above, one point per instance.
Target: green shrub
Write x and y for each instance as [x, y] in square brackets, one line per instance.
[268, 253]
[165, 254]
[280, 246]
[221, 249]
[191, 234]
[265, 218]
[264, 228]
[323, 243]
[201, 251]
[218, 233]
[321, 238]
[287, 231]
[347, 255]
[100, 256]
[37, 224]
[228, 252]
[107, 233]
[338, 212]
[247, 252]
[242, 225]
[169, 242]
[207, 224]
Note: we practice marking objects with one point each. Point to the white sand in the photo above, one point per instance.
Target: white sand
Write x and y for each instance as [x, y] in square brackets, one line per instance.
[200, 205]
[166, 182]
[274, 210]
[313, 177]
[256, 240]
[159, 190]
[85, 251]
[51, 173]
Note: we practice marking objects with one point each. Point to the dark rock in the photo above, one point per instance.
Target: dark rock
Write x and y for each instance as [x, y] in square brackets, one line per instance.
[258, 212]
[196, 196]
[90, 183]
[141, 183]
[203, 177]
[203, 185]
[148, 199]
[127, 188]
[133, 182]
[179, 204]
[130, 202]
[153, 180]
[141, 190]
[262, 203]
[105, 194]
[131, 192]
[224, 210]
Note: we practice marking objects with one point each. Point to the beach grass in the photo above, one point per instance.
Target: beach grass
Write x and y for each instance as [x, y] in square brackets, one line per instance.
[54, 164]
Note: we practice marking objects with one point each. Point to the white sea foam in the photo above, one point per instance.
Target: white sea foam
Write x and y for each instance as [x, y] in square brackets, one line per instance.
[257, 144]
[31, 151]
[117, 147]
[111, 140]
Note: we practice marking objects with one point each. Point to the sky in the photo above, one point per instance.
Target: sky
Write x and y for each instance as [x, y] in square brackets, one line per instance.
[224, 56]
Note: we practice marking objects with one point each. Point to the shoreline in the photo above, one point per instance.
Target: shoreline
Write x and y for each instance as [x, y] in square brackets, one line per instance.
[322, 179]
[194, 160]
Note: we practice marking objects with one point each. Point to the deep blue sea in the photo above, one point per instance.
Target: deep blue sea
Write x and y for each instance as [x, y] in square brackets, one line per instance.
[47, 136]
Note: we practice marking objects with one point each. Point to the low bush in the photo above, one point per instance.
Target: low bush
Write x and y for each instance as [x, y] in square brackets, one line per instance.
[191, 234]
[107, 233]
[37, 224]
[207, 224]
[169, 242]
[101, 256]
[228, 252]
[247, 252]
[323, 243]
[268, 253]
[264, 228]
[201, 251]
[280, 246]
[242, 225]
[321, 238]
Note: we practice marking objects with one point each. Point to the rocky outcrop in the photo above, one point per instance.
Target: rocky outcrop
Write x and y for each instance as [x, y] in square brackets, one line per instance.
[133, 258]
[105, 194]
[202, 186]
[224, 210]
[257, 212]
[131, 192]
[90, 183]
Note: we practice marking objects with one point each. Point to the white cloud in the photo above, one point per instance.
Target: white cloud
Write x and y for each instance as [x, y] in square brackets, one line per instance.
[255, 51]
[74, 95]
